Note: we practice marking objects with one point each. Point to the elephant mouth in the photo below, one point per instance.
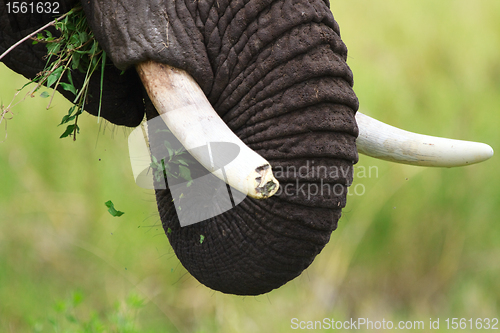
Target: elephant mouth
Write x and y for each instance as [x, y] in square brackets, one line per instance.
[186, 111]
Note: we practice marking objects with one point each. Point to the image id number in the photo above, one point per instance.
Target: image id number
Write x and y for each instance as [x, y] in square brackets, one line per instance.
[33, 8]
[479, 323]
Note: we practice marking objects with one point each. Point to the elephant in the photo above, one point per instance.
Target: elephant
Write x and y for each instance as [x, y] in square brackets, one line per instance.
[274, 74]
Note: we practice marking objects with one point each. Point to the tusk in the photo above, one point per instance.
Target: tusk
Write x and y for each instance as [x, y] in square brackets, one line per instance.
[386, 142]
[191, 118]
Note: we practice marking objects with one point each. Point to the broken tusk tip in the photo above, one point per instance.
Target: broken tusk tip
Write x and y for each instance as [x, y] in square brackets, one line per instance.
[264, 183]
[268, 189]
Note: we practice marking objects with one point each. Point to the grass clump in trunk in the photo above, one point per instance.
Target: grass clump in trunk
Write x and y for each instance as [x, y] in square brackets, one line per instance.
[75, 49]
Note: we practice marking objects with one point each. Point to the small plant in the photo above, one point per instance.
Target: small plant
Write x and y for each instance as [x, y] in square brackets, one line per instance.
[70, 317]
[175, 165]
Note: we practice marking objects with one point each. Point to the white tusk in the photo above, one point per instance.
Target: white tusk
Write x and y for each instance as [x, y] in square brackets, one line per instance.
[386, 142]
[191, 118]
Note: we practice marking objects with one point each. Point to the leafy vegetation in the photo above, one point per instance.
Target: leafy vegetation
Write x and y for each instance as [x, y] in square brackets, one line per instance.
[176, 165]
[173, 163]
[74, 49]
[68, 317]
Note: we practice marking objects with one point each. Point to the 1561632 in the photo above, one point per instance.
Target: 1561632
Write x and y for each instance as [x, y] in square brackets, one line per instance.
[479, 323]
[36, 7]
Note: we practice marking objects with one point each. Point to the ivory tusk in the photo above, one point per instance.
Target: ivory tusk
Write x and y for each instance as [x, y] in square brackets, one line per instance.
[191, 118]
[386, 142]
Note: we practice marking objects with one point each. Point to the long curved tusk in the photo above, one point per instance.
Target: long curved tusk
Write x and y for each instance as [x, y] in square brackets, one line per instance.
[386, 142]
[191, 118]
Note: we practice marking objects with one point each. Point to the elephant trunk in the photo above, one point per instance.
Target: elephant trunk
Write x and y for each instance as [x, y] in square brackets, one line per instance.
[275, 72]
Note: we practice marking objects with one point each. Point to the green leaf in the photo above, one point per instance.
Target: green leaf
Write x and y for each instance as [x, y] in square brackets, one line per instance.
[68, 25]
[169, 148]
[68, 131]
[95, 62]
[68, 87]
[75, 40]
[75, 62]
[169, 231]
[95, 45]
[167, 145]
[70, 112]
[112, 210]
[70, 78]
[83, 36]
[25, 85]
[67, 118]
[59, 25]
[44, 94]
[202, 238]
[184, 172]
[54, 76]
[53, 48]
[72, 109]
[162, 130]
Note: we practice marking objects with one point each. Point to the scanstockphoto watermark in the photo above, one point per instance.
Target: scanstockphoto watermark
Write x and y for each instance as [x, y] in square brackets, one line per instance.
[358, 324]
[469, 324]
[312, 180]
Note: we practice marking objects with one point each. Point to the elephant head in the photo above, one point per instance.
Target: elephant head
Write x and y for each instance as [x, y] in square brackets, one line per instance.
[269, 76]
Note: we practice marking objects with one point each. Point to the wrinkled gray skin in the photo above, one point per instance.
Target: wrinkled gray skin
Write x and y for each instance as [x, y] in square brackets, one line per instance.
[275, 72]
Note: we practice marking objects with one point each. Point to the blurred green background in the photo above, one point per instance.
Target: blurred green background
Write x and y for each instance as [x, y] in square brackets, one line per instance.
[418, 244]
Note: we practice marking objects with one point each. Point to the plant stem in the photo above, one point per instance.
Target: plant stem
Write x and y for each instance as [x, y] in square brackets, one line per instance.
[58, 80]
[76, 127]
[45, 77]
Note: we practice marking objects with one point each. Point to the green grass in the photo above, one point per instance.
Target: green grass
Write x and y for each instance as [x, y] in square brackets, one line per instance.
[419, 243]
